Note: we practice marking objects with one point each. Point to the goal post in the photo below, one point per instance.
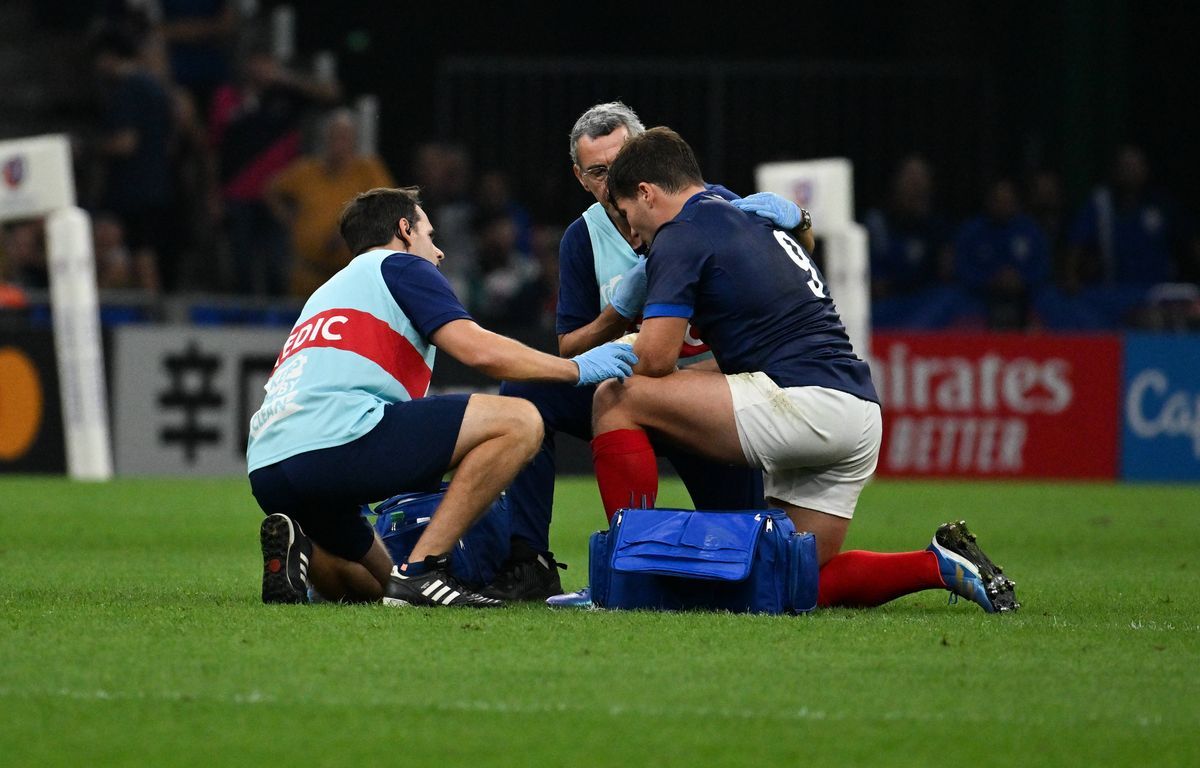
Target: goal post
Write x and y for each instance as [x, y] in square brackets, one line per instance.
[825, 188]
[37, 181]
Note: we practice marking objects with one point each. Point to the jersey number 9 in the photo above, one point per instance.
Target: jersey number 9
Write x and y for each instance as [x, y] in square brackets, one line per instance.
[797, 254]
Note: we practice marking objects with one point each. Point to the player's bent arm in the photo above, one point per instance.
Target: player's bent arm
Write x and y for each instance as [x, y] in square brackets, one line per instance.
[805, 238]
[499, 356]
[803, 233]
[609, 325]
[658, 344]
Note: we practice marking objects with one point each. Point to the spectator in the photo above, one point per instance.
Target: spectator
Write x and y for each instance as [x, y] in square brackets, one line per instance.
[1126, 233]
[911, 255]
[495, 195]
[1046, 206]
[23, 254]
[256, 129]
[308, 197]
[909, 240]
[444, 176]
[509, 283]
[1125, 239]
[196, 214]
[193, 211]
[13, 300]
[1002, 258]
[198, 35]
[114, 265]
[136, 130]
[545, 253]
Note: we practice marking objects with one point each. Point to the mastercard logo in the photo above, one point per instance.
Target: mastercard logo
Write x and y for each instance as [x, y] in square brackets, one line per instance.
[20, 403]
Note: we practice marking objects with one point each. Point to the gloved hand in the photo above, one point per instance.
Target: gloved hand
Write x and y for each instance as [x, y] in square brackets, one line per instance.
[629, 297]
[607, 361]
[783, 213]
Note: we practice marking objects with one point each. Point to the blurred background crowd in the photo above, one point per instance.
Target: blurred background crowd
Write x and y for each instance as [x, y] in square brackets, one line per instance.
[215, 147]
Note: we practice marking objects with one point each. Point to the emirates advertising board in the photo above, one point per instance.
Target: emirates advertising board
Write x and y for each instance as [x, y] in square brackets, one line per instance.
[998, 405]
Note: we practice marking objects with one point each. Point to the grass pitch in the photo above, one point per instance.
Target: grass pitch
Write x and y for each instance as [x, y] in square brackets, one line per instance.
[131, 633]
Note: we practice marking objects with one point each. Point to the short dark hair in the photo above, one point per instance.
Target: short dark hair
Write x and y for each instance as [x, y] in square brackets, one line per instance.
[370, 220]
[659, 156]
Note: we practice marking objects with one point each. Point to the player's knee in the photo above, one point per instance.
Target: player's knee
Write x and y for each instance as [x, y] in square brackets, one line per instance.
[610, 396]
[527, 426]
[512, 418]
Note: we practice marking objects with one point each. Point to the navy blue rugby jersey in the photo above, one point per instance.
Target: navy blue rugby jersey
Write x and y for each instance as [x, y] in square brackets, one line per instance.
[580, 289]
[754, 296]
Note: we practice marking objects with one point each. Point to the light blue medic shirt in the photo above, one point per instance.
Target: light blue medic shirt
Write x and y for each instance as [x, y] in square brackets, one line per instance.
[592, 257]
[362, 342]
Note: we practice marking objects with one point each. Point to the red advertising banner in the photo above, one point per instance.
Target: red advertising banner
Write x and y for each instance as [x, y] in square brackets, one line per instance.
[998, 405]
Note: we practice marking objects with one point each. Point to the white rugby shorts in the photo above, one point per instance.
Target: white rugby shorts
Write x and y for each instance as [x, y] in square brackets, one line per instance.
[816, 446]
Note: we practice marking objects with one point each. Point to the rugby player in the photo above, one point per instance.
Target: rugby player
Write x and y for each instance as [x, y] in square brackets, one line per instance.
[791, 397]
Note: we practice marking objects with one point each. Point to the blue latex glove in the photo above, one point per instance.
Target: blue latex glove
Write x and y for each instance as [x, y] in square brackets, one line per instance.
[783, 213]
[629, 297]
[607, 361]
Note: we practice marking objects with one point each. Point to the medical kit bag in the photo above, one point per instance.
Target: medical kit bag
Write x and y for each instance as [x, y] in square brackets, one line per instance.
[476, 558]
[744, 561]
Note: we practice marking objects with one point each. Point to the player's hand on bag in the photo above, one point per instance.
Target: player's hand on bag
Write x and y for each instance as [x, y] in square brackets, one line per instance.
[629, 297]
[781, 212]
[607, 361]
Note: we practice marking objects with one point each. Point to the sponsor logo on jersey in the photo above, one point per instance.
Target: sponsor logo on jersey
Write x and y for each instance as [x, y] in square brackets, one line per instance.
[365, 335]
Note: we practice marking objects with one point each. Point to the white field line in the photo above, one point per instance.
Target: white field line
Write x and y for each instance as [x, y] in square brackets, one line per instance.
[803, 714]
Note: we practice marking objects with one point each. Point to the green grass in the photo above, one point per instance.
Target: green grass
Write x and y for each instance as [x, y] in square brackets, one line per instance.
[131, 633]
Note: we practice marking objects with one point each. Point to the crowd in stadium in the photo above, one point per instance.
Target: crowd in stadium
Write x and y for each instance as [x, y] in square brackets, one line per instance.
[217, 173]
[1125, 256]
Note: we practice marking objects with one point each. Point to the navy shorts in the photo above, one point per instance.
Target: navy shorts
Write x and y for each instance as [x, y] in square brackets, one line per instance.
[324, 490]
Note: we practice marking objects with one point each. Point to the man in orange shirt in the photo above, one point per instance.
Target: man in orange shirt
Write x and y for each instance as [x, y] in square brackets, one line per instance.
[308, 195]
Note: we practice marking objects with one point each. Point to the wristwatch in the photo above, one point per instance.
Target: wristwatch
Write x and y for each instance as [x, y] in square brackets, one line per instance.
[805, 221]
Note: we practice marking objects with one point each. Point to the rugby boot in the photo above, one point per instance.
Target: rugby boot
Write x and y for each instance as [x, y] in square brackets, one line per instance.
[434, 586]
[580, 599]
[968, 572]
[528, 575]
[287, 553]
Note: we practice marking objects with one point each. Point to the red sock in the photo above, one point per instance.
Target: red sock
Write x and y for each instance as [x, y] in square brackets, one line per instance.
[859, 579]
[626, 469]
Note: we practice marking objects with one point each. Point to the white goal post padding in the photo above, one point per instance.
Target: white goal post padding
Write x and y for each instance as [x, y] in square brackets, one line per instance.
[36, 180]
[825, 188]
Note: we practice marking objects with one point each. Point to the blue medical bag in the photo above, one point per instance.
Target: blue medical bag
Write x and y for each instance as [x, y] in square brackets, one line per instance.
[478, 555]
[746, 561]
